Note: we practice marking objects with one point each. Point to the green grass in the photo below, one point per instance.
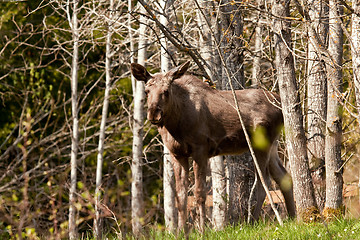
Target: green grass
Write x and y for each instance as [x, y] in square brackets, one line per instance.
[341, 229]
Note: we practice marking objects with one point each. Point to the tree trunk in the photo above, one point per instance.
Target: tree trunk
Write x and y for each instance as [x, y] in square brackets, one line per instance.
[75, 128]
[240, 168]
[208, 40]
[170, 211]
[355, 53]
[334, 181]
[132, 45]
[291, 106]
[316, 95]
[216, 164]
[232, 43]
[241, 179]
[257, 47]
[137, 199]
[217, 169]
[100, 158]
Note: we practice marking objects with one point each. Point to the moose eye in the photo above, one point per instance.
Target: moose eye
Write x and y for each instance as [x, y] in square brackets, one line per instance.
[166, 93]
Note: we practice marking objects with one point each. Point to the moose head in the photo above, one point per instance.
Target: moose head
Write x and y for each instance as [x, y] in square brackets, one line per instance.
[158, 89]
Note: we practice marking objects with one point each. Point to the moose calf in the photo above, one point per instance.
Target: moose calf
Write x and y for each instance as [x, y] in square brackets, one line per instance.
[195, 120]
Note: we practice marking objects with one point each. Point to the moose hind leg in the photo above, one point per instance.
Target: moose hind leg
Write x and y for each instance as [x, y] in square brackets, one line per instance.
[260, 194]
[181, 172]
[200, 168]
[283, 179]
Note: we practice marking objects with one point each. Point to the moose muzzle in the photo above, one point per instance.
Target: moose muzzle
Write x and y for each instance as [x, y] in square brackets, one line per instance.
[155, 115]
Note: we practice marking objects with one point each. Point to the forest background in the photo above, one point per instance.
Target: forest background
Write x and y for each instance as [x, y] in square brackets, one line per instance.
[61, 61]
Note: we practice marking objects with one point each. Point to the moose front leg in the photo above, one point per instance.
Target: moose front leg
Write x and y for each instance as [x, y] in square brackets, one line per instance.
[181, 172]
[200, 168]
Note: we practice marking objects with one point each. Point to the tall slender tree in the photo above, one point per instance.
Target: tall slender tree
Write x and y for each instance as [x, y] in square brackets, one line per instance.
[170, 212]
[355, 53]
[240, 168]
[100, 157]
[132, 44]
[137, 198]
[73, 22]
[316, 97]
[208, 52]
[334, 180]
[257, 46]
[291, 107]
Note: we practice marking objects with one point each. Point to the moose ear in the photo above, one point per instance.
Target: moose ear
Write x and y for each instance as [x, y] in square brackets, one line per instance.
[140, 72]
[180, 70]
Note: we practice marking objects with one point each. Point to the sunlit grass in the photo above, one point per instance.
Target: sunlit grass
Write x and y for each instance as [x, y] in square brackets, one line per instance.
[340, 229]
[348, 229]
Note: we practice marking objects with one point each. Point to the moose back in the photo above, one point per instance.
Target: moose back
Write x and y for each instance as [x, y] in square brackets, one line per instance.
[195, 120]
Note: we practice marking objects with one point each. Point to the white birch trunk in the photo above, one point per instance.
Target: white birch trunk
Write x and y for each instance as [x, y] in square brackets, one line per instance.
[316, 87]
[316, 95]
[355, 50]
[216, 164]
[100, 158]
[291, 106]
[355, 53]
[334, 180]
[170, 211]
[217, 169]
[132, 47]
[257, 48]
[137, 198]
[75, 129]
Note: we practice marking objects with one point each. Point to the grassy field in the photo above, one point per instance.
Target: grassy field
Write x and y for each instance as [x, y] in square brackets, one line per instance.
[341, 229]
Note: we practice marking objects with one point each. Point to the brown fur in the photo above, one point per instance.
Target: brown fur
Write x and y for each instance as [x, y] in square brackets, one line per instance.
[197, 121]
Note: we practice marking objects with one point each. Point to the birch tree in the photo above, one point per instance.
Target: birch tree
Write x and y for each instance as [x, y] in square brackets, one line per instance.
[73, 22]
[316, 86]
[208, 52]
[257, 46]
[355, 53]
[137, 198]
[100, 158]
[316, 97]
[170, 211]
[291, 107]
[131, 41]
[333, 162]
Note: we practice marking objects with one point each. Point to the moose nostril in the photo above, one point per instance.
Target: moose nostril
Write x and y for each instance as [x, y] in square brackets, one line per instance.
[154, 114]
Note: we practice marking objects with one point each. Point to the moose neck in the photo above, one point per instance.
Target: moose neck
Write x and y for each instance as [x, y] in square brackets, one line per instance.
[187, 102]
[172, 118]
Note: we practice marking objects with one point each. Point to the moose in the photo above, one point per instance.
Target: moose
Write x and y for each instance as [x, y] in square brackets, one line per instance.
[198, 121]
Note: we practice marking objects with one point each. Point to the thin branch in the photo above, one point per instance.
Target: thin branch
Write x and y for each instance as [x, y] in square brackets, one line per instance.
[200, 62]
